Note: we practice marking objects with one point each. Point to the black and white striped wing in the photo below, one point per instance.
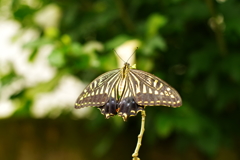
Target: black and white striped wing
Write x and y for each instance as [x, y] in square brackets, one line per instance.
[98, 92]
[149, 90]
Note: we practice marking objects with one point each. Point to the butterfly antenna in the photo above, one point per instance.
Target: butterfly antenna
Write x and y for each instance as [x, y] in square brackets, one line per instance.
[118, 55]
[133, 53]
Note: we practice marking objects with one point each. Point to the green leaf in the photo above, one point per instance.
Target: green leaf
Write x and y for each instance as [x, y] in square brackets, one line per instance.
[57, 58]
[51, 32]
[23, 11]
[154, 23]
[23, 107]
[76, 49]
[44, 86]
[37, 43]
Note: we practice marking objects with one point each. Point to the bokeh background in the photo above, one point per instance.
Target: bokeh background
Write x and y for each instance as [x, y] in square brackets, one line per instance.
[51, 49]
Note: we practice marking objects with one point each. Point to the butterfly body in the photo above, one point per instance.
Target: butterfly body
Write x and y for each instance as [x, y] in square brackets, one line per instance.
[126, 91]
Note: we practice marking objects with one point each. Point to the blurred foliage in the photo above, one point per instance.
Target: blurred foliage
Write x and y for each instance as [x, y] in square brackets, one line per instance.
[193, 45]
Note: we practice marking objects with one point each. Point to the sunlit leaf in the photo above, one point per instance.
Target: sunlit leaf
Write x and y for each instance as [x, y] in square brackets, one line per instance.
[57, 58]
[154, 23]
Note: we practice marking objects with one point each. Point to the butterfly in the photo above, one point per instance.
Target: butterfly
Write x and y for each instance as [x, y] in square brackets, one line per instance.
[126, 91]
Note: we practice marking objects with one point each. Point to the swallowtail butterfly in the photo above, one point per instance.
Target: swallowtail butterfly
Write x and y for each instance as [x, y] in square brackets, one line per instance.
[126, 91]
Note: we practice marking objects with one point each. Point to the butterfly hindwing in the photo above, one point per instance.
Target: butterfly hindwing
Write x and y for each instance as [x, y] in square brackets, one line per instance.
[97, 93]
[149, 90]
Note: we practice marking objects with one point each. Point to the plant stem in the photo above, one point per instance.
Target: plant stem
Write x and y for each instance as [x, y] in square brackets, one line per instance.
[139, 142]
[218, 28]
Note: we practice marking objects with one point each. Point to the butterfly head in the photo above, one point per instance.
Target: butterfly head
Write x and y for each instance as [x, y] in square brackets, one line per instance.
[126, 64]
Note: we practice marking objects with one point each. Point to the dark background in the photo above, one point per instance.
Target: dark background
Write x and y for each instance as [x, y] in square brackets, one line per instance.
[191, 44]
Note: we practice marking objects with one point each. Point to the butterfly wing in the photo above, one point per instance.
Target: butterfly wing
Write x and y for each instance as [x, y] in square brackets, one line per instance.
[98, 92]
[149, 90]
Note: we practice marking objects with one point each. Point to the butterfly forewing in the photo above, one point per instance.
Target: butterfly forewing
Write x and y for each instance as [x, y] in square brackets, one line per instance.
[99, 90]
[149, 90]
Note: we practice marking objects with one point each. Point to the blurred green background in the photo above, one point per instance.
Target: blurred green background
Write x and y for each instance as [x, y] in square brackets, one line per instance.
[63, 45]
